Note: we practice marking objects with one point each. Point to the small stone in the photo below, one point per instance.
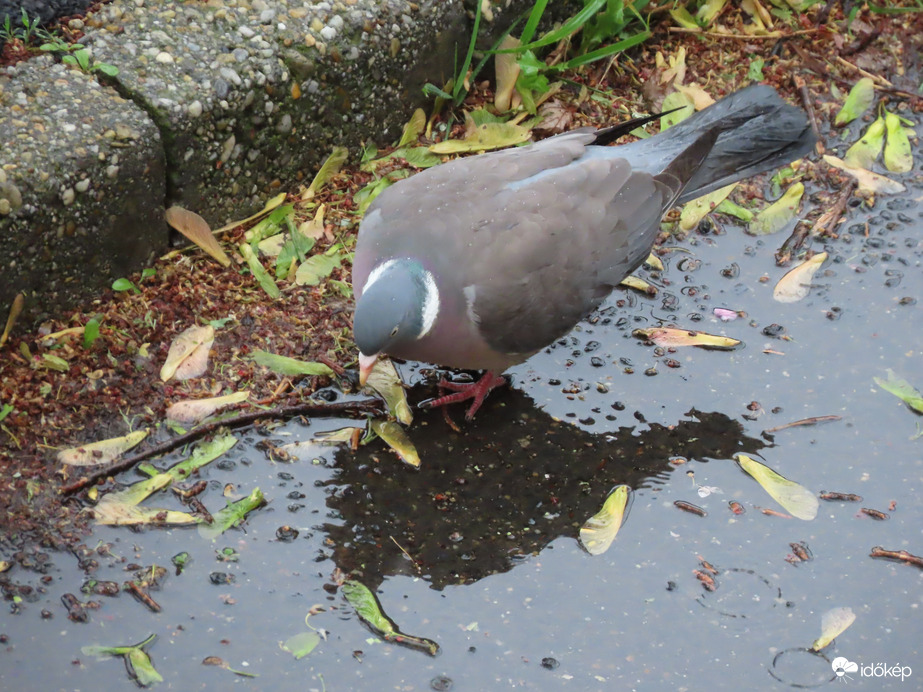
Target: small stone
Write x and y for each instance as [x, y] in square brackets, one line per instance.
[285, 124]
[328, 33]
[246, 31]
[222, 88]
[112, 171]
[83, 185]
[75, 24]
[228, 147]
[240, 54]
[164, 58]
[68, 196]
[5, 207]
[194, 109]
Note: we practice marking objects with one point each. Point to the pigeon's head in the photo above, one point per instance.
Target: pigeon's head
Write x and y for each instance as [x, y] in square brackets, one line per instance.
[399, 304]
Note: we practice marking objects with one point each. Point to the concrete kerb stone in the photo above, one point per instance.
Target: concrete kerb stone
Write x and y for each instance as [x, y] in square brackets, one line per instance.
[251, 97]
[82, 183]
[217, 106]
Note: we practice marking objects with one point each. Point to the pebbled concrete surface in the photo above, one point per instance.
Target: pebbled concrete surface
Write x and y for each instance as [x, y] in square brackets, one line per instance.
[81, 186]
[216, 106]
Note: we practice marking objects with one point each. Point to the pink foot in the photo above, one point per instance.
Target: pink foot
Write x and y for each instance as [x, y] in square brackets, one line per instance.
[477, 391]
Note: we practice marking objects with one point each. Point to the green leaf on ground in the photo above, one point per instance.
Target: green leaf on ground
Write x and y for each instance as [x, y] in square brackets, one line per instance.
[598, 532]
[232, 515]
[898, 156]
[696, 210]
[396, 438]
[676, 99]
[330, 168]
[868, 148]
[283, 365]
[778, 214]
[795, 498]
[857, 102]
[370, 612]
[385, 380]
[832, 624]
[316, 268]
[301, 644]
[903, 390]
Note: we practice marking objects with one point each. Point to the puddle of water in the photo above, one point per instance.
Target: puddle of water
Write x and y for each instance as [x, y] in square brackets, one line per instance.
[478, 549]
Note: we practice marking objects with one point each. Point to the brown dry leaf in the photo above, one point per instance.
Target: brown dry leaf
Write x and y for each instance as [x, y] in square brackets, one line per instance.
[192, 411]
[15, 309]
[700, 98]
[197, 230]
[507, 70]
[188, 355]
[675, 67]
[101, 452]
[868, 181]
[555, 116]
[124, 514]
[672, 337]
[314, 228]
[796, 284]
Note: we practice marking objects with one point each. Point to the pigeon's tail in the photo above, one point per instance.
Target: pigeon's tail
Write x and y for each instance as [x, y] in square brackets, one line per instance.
[756, 131]
[759, 132]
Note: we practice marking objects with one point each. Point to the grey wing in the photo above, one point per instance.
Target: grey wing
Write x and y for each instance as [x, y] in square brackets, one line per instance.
[564, 240]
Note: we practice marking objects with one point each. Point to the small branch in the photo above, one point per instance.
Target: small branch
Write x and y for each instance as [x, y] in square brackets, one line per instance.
[875, 78]
[793, 243]
[804, 421]
[775, 36]
[827, 221]
[809, 107]
[901, 555]
[310, 408]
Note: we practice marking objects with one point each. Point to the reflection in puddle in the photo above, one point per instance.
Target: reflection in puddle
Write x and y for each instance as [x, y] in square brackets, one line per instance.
[500, 491]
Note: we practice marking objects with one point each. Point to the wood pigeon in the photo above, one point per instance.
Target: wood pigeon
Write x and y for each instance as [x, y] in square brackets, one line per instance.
[481, 262]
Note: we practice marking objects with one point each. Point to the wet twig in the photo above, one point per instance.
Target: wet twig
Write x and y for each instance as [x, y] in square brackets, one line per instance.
[827, 221]
[901, 555]
[878, 79]
[809, 108]
[742, 37]
[793, 243]
[310, 408]
[814, 420]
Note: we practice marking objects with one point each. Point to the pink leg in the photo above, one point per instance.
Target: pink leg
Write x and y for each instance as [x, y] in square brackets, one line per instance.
[477, 391]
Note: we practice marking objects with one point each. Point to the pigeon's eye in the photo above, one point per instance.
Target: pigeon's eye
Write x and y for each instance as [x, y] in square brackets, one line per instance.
[394, 331]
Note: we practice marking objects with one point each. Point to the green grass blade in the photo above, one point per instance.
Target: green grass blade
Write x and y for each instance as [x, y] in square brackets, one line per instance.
[604, 52]
[538, 9]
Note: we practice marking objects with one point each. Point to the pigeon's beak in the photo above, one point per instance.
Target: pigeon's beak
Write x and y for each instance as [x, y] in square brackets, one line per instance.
[366, 363]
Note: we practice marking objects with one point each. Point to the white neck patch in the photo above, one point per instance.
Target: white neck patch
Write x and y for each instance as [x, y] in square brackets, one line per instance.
[430, 303]
[376, 273]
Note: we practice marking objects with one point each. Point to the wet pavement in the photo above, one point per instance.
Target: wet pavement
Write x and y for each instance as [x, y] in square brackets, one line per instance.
[478, 552]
